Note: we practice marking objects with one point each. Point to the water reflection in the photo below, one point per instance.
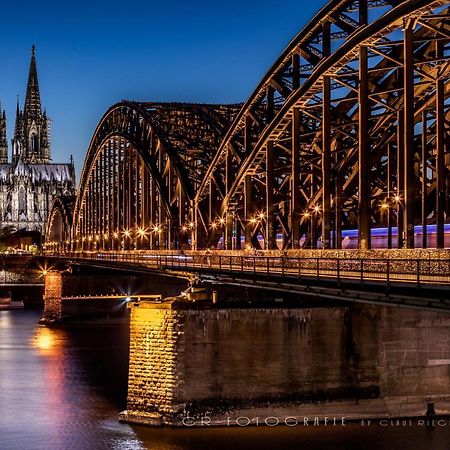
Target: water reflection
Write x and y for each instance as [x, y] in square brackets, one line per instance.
[46, 341]
[61, 388]
[5, 320]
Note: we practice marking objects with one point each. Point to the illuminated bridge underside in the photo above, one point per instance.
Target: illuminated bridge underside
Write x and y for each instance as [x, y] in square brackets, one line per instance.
[348, 130]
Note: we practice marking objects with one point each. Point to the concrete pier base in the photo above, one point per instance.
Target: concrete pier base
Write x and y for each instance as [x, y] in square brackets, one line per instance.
[196, 364]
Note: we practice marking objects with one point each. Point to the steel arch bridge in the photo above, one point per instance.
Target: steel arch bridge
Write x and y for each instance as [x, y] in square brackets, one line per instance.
[348, 130]
[59, 222]
[143, 167]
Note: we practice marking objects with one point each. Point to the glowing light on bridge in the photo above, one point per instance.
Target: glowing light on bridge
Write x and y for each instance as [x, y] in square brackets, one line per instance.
[141, 232]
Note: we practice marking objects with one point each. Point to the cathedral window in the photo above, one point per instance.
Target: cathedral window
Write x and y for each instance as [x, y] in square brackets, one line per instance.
[34, 143]
[22, 200]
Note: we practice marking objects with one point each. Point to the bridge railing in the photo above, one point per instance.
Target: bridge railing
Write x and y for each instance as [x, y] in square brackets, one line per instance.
[387, 270]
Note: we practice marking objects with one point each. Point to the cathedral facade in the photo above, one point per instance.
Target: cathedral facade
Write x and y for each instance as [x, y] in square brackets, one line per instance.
[30, 182]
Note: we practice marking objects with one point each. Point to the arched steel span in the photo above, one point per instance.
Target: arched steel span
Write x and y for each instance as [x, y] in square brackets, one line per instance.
[143, 167]
[59, 222]
[349, 129]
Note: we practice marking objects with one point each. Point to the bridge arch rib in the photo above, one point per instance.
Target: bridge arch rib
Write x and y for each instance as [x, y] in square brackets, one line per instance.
[59, 224]
[143, 167]
[348, 130]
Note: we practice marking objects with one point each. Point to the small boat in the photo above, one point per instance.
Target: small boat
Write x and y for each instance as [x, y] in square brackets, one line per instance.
[6, 303]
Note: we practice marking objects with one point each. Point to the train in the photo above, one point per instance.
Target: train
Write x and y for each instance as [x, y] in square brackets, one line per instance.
[379, 238]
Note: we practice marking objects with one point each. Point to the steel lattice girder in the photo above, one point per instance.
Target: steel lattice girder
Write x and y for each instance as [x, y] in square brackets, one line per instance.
[59, 222]
[328, 123]
[143, 167]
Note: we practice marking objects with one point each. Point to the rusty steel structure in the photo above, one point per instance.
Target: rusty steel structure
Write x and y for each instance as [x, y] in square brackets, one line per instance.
[348, 130]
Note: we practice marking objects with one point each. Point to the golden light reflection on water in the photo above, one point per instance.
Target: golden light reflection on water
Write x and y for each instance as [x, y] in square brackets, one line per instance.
[5, 319]
[46, 341]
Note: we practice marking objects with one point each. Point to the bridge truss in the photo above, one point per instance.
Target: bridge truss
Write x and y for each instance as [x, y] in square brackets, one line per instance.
[143, 167]
[348, 130]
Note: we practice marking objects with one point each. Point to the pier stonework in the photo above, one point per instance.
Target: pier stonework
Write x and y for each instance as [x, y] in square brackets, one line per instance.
[53, 296]
[187, 361]
[194, 365]
[155, 384]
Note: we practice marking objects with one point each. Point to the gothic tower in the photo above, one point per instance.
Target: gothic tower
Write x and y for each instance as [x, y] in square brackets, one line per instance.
[31, 136]
[3, 141]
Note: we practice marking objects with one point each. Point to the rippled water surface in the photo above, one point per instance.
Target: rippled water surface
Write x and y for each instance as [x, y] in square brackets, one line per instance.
[63, 389]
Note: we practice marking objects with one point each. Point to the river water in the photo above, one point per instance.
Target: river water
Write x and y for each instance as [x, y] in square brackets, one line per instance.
[63, 389]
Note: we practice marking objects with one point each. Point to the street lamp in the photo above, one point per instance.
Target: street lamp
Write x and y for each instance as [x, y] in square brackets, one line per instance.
[142, 233]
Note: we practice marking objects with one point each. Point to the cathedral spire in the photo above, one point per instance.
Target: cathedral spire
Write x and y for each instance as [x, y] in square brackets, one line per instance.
[3, 141]
[17, 142]
[31, 141]
[33, 97]
[17, 125]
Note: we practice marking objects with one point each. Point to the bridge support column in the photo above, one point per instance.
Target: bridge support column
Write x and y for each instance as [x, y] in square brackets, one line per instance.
[270, 231]
[200, 364]
[295, 179]
[364, 190]
[53, 297]
[229, 231]
[182, 354]
[409, 151]
[248, 211]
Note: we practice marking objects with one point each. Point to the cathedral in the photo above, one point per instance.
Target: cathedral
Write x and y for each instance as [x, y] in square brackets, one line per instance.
[30, 182]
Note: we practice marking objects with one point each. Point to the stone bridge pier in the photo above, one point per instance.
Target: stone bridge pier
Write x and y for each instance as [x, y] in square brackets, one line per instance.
[208, 364]
[53, 289]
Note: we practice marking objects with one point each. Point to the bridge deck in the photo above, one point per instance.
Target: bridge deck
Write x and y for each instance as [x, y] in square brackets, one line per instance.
[426, 271]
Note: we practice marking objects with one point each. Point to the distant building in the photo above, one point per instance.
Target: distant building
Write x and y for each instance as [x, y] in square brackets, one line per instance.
[31, 181]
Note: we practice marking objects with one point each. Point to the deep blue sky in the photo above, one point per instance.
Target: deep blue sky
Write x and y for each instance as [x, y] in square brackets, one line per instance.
[93, 54]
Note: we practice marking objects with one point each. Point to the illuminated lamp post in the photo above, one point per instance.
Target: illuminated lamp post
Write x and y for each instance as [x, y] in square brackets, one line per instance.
[126, 239]
[141, 236]
[385, 209]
